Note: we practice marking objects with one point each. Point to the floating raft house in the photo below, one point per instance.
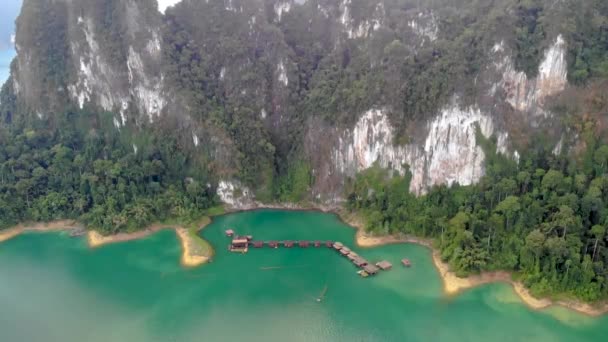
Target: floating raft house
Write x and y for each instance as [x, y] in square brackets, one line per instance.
[352, 256]
[360, 262]
[384, 265]
[406, 262]
[229, 232]
[239, 244]
[370, 269]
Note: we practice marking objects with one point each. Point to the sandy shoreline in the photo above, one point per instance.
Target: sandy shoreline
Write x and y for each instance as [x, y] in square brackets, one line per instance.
[59, 225]
[453, 285]
[189, 257]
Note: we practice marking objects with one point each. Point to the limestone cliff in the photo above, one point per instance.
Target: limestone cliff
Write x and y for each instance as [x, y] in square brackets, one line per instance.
[253, 85]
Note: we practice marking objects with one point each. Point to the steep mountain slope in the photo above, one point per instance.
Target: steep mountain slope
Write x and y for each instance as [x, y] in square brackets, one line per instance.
[265, 94]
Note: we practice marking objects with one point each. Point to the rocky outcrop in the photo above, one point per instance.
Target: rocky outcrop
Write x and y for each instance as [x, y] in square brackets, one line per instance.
[123, 76]
[449, 154]
[273, 71]
[528, 95]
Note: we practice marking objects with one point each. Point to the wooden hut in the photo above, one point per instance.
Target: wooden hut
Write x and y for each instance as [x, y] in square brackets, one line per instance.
[345, 251]
[352, 255]
[304, 244]
[338, 246]
[288, 244]
[371, 269]
[273, 244]
[317, 243]
[249, 237]
[329, 244]
[384, 265]
[406, 262]
[239, 244]
[229, 232]
[258, 244]
[360, 262]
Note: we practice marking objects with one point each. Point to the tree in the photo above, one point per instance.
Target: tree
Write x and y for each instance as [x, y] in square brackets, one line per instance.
[508, 208]
[598, 232]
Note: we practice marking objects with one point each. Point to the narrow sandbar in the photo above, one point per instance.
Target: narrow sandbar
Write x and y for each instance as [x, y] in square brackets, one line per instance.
[59, 225]
[193, 252]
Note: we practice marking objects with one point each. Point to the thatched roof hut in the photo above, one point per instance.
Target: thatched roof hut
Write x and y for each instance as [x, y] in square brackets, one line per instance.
[384, 265]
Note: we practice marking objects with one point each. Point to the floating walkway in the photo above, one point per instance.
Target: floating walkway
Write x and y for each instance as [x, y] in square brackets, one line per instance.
[241, 244]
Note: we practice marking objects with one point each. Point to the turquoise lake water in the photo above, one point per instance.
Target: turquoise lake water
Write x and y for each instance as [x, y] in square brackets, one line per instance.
[54, 288]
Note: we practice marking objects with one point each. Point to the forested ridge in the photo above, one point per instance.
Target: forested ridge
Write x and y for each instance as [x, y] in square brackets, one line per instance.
[544, 218]
[78, 171]
[248, 83]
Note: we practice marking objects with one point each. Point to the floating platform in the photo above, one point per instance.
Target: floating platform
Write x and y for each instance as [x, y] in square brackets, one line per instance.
[406, 262]
[363, 274]
[384, 265]
[360, 262]
[371, 269]
[240, 244]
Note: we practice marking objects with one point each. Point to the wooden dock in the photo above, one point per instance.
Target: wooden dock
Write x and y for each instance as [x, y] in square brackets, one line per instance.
[241, 243]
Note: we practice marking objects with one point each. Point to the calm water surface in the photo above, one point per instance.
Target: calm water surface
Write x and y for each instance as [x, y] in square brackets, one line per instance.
[54, 288]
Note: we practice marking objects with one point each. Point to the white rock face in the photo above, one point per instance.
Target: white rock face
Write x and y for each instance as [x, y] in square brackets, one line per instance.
[163, 4]
[449, 155]
[425, 26]
[364, 28]
[234, 194]
[146, 91]
[97, 80]
[282, 74]
[280, 8]
[529, 94]
[195, 139]
[451, 149]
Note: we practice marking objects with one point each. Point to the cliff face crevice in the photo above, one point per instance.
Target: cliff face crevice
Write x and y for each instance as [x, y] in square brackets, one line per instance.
[252, 86]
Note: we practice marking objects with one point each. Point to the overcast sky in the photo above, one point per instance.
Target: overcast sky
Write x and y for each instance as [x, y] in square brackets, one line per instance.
[9, 9]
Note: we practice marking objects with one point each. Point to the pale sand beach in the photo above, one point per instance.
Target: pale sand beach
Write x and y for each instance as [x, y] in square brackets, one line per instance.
[59, 225]
[191, 256]
[453, 285]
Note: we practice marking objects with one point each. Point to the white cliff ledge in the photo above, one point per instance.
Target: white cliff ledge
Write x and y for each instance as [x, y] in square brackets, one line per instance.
[449, 155]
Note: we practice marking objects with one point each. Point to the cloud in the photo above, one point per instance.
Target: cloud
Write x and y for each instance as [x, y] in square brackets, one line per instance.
[163, 4]
[13, 39]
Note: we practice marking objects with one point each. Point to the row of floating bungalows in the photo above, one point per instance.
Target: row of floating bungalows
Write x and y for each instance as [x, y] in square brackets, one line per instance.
[366, 267]
[241, 244]
[289, 244]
